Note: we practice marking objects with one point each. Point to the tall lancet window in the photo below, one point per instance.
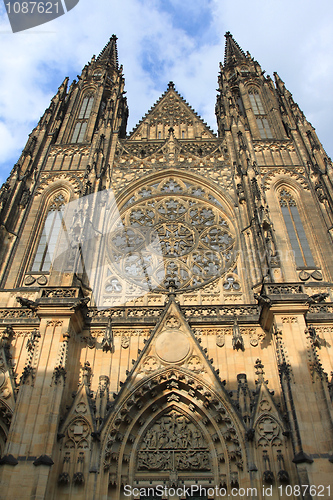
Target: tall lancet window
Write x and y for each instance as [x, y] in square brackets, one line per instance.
[49, 237]
[298, 240]
[259, 111]
[82, 119]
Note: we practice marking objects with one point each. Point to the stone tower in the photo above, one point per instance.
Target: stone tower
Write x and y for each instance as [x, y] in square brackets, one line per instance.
[166, 296]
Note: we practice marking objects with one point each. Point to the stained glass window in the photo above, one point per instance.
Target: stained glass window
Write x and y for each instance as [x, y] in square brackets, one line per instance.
[50, 233]
[256, 103]
[295, 230]
[82, 122]
[190, 240]
[259, 111]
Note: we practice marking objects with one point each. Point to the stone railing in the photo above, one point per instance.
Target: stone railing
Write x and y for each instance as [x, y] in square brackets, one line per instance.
[283, 288]
[60, 292]
[193, 314]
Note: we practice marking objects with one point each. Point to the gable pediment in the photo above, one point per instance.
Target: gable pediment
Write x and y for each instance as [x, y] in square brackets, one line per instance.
[171, 111]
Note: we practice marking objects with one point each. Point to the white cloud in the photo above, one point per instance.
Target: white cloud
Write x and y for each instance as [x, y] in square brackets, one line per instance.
[159, 41]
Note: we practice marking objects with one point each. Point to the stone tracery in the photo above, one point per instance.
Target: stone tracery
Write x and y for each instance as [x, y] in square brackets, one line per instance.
[177, 223]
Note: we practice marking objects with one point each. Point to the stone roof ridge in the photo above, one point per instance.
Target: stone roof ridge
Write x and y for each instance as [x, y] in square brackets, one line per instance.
[171, 86]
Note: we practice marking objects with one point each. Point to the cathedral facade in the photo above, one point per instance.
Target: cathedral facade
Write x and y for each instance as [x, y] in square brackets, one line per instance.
[166, 300]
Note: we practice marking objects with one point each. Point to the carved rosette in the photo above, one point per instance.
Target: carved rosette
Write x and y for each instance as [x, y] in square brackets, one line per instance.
[78, 434]
[269, 431]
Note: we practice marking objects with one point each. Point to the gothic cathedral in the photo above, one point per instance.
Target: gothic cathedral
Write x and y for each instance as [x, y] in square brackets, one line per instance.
[166, 300]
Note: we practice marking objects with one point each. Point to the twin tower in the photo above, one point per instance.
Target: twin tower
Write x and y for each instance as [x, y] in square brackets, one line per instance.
[166, 307]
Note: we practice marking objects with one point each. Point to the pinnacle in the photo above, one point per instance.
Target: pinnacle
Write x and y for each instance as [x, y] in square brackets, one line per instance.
[110, 52]
[277, 78]
[233, 52]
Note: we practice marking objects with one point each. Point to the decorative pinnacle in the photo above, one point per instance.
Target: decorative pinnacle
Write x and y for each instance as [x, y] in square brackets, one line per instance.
[233, 52]
[110, 52]
[171, 85]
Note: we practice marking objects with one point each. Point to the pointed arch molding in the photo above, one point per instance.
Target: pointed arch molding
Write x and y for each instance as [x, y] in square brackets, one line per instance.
[61, 180]
[294, 174]
[206, 428]
[218, 194]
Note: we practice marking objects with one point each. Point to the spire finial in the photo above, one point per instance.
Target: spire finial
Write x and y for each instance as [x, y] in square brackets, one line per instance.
[233, 52]
[110, 52]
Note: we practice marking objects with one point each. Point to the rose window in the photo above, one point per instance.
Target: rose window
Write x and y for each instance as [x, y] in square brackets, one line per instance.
[171, 237]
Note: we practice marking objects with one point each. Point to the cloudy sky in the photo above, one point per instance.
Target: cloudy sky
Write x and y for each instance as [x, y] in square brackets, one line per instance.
[163, 40]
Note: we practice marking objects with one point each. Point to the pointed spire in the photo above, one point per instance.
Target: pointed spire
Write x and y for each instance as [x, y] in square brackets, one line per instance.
[110, 52]
[279, 83]
[62, 90]
[64, 84]
[232, 52]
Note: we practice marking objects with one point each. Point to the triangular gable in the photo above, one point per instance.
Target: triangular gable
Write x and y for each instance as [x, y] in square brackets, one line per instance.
[172, 344]
[80, 415]
[171, 111]
[171, 383]
[267, 421]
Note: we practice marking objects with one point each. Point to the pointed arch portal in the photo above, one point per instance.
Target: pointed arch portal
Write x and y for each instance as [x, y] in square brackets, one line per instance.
[174, 429]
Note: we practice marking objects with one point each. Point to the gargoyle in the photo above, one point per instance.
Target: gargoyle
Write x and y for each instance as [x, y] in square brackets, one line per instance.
[30, 304]
[262, 299]
[317, 297]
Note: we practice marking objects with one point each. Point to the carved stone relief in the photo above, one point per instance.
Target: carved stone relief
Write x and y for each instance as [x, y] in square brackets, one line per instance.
[125, 342]
[220, 340]
[173, 443]
[5, 391]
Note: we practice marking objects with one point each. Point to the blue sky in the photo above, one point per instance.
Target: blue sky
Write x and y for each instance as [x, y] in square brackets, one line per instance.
[159, 41]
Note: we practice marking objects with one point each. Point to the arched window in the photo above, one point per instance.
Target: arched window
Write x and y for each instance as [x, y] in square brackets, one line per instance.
[48, 239]
[259, 111]
[82, 120]
[256, 103]
[295, 230]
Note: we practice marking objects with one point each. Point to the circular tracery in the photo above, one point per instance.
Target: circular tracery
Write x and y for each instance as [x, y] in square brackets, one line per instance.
[171, 237]
[175, 239]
